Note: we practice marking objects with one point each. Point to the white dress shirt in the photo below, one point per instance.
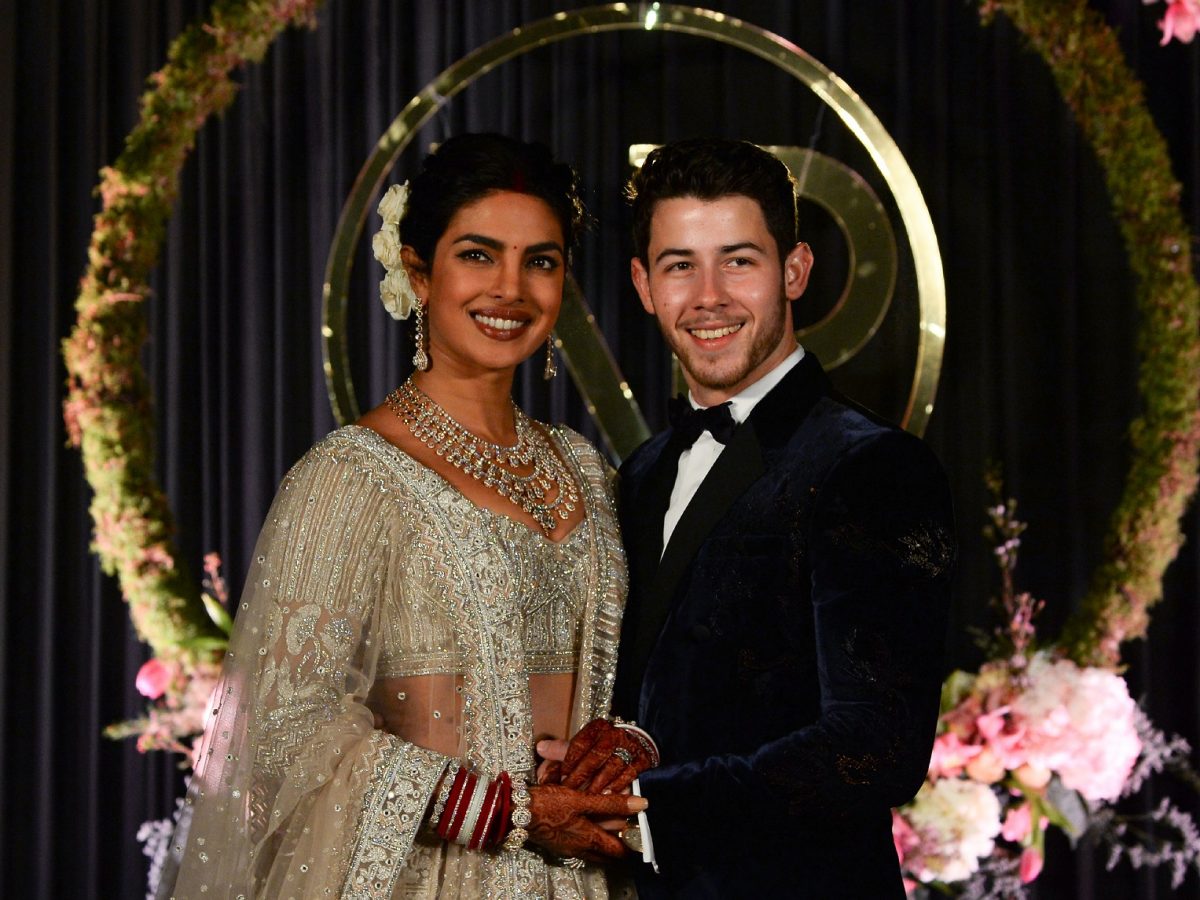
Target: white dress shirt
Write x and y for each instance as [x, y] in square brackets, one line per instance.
[696, 462]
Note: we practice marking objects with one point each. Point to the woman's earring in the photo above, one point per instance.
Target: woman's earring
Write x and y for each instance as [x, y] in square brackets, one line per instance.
[420, 357]
[551, 365]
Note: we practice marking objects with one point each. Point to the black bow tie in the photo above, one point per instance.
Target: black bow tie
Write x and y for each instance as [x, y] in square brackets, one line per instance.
[688, 422]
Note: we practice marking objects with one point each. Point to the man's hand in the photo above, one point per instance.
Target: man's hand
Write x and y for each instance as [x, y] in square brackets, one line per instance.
[601, 758]
[552, 751]
[562, 821]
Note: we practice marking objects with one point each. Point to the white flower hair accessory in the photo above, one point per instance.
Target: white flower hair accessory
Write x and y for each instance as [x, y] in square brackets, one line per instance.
[395, 291]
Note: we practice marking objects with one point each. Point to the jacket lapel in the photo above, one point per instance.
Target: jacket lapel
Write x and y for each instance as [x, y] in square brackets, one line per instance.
[739, 466]
[644, 498]
[742, 463]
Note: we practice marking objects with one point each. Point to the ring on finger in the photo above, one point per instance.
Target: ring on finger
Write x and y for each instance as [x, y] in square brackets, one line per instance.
[623, 755]
[631, 837]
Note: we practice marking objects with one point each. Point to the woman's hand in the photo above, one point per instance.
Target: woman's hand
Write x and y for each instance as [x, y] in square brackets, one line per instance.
[602, 758]
[562, 821]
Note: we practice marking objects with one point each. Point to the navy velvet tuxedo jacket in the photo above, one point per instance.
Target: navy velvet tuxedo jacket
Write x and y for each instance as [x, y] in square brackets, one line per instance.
[786, 652]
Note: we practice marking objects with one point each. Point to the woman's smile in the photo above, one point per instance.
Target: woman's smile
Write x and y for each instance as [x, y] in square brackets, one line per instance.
[500, 325]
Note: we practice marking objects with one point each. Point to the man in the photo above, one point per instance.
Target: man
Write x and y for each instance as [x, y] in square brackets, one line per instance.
[789, 565]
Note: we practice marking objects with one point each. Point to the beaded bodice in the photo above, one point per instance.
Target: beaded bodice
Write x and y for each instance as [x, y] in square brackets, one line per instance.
[542, 582]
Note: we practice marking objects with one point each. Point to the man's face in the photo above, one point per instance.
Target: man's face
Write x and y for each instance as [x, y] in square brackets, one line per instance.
[714, 281]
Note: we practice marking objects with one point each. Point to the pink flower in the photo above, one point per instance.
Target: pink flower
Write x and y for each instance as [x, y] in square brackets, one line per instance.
[1033, 777]
[1005, 739]
[1080, 724]
[986, 768]
[903, 836]
[950, 754]
[1182, 21]
[991, 724]
[1031, 864]
[1017, 824]
[153, 678]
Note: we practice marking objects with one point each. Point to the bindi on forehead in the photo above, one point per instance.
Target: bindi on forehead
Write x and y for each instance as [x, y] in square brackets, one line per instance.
[498, 245]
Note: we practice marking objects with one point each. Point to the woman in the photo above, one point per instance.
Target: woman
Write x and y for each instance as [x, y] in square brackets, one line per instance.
[435, 587]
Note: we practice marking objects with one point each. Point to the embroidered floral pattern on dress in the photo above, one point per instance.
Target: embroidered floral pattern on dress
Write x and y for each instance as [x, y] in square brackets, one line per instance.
[391, 815]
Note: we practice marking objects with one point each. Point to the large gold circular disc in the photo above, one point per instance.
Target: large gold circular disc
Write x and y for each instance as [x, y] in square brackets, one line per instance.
[625, 427]
[871, 275]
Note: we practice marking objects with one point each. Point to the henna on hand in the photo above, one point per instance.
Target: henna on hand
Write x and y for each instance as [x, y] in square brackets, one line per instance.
[562, 823]
[593, 763]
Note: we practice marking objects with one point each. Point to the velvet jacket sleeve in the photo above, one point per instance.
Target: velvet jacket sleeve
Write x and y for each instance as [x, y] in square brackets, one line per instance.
[877, 556]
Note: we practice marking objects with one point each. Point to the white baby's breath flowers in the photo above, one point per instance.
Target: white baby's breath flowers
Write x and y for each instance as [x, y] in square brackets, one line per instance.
[395, 290]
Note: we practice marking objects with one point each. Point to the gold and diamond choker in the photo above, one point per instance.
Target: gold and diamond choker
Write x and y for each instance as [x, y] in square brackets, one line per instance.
[492, 464]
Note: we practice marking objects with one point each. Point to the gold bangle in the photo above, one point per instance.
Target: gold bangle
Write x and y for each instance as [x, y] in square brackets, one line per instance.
[439, 807]
[521, 818]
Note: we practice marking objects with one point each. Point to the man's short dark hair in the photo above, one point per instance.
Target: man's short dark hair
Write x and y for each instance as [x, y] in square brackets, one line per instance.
[708, 169]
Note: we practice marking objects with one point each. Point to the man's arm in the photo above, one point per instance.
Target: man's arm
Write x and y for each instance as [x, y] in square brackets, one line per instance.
[881, 551]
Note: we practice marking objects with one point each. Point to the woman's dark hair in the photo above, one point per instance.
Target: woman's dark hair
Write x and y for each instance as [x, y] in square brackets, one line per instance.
[708, 169]
[468, 167]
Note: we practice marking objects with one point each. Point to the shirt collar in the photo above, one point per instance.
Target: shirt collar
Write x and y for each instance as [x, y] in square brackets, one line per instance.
[741, 405]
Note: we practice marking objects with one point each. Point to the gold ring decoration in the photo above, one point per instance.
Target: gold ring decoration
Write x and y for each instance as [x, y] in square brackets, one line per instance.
[607, 395]
[871, 278]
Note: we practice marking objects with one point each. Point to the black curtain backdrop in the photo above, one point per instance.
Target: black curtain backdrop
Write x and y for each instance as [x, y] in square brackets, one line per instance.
[1039, 372]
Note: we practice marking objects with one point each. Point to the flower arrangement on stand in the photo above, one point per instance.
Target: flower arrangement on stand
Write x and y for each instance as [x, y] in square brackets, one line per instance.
[180, 692]
[1032, 741]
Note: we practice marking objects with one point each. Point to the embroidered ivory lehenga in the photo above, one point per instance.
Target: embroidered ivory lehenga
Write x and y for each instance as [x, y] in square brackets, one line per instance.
[371, 567]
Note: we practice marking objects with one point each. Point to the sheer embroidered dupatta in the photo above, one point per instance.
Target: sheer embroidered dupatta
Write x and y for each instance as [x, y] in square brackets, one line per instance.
[290, 752]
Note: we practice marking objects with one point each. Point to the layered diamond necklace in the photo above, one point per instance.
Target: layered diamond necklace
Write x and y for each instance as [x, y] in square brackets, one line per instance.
[547, 491]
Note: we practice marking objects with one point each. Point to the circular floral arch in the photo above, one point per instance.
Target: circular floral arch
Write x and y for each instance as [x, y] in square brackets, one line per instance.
[108, 409]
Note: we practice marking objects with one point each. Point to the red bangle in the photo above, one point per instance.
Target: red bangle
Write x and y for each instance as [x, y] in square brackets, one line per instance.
[503, 821]
[453, 799]
[457, 806]
[493, 821]
[469, 788]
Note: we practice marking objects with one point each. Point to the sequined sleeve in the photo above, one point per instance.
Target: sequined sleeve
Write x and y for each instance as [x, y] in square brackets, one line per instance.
[295, 792]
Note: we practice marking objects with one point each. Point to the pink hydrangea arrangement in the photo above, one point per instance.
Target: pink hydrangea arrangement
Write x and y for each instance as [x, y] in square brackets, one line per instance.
[1032, 740]
[1079, 724]
[1012, 730]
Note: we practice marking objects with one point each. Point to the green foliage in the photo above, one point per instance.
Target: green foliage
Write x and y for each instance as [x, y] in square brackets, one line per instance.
[1108, 104]
[108, 410]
